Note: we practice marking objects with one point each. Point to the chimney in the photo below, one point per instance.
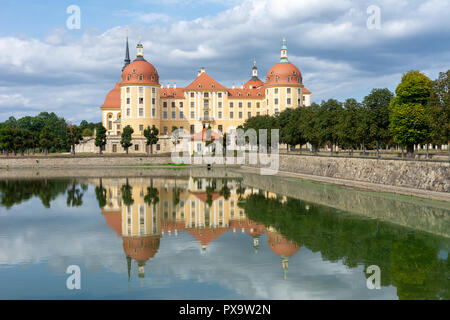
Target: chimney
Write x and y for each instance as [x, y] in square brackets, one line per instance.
[233, 86]
[199, 73]
[162, 85]
[242, 86]
[174, 85]
[202, 70]
[168, 86]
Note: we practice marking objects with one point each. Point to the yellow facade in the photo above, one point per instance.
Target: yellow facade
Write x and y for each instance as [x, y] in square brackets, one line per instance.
[204, 103]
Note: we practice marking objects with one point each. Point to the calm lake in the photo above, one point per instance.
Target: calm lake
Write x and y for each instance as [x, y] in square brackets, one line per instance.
[217, 235]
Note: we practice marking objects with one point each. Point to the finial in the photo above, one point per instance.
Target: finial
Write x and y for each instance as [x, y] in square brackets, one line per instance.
[140, 39]
[126, 31]
[254, 62]
[284, 41]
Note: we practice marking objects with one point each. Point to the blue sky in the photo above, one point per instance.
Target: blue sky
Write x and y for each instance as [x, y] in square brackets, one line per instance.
[46, 67]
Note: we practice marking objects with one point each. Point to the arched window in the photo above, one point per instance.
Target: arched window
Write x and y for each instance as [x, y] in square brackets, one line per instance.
[128, 77]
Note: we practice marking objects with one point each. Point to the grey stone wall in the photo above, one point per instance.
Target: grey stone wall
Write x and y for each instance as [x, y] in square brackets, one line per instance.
[426, 175]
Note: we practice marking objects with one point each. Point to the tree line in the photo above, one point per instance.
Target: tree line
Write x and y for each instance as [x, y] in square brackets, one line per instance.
[418, 114]
[44, 133]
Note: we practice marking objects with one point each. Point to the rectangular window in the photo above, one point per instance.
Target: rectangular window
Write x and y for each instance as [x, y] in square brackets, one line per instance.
[219, 95]
[128, 90]
[231, 105]
[240, 104]
[153, 101]
[192, 129]
[206, 104]
[288, 90]
[141, 90]
[165, 115]
[249, 105]
[220, 104]
[276, 90]
[240, 115]
[141, 100]
[220, 114]
[141, 127]
[192, 114]
[231, 115]
[153, 90]
[206, 94]
[192, 94]
[153, 112]
[128, 112]
[173, 104]
[276, 100]
[136, 147]
[181, 104]
[258, 105]
[288, 101]
[128, 100]
[192, 104]
[141, 112]
[220, 128]
[174, 115]
[181, 115]
[165, 104]
[249, 114]
[158, 147]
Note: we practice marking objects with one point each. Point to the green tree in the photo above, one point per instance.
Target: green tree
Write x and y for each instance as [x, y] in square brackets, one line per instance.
[100, 137]
[438, 110]
[328, 120]
[45, 139]
[127, 138]
[377, 105]
[74, 136]
[151, 134]
[347, 122]
[6, 139]
[409, 123]
[87, 132]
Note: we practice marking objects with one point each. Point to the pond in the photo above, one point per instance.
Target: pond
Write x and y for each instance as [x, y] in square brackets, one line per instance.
[216, 236]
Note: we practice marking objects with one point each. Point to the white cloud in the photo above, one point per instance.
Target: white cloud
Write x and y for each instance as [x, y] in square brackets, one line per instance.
[328, 40]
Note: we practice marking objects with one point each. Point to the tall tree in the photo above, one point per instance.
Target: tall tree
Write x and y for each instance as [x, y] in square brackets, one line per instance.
[6, 139]
[409, 123]
[151, 134]
[127, 138]
[347, 122]
[45, 139]
[100, 137]
[328, 120]
[74, 136]
[438, 110]
[377, 105]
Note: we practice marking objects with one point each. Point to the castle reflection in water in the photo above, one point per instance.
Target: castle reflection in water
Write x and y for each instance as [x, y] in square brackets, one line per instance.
[142, 211]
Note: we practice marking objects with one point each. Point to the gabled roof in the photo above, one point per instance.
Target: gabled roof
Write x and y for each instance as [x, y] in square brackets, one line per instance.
[306, 91]
[205, 82]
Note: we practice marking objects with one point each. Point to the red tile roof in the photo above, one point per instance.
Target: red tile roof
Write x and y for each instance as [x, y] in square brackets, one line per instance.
[306, 91]
[205, 82]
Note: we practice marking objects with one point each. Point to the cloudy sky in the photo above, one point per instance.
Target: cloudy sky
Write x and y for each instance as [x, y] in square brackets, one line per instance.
[44, 66]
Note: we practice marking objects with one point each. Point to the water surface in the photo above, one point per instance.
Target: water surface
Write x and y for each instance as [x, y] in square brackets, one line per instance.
[193, 237]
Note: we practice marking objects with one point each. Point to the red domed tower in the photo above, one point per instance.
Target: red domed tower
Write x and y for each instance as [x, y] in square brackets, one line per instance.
[140, 94]
[284, 85]
[282, 247]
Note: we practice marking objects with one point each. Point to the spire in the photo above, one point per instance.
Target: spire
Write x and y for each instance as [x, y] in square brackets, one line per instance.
[140, 50]
[127, 54]
[254, 71]
[284, 57]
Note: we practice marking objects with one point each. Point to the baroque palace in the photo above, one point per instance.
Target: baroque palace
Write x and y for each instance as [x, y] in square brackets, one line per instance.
[140, 101]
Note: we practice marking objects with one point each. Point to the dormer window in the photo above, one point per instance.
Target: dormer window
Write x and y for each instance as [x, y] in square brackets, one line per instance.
[134, 70]
[153, 78]
[293, 72]
[199, 85]
[128, 77]
[288, 79]
[248, 94]
[276, 79]
[141, 77]
[212, 86]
